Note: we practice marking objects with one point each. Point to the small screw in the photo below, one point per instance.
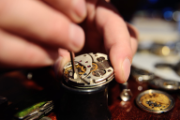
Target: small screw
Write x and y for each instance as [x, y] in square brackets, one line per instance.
[100, 59]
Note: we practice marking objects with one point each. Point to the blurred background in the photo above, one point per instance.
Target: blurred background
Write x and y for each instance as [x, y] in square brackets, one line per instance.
[158, 23]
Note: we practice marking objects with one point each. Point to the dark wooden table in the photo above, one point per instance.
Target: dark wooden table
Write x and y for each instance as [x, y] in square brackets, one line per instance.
[130, 111]
[16, 87]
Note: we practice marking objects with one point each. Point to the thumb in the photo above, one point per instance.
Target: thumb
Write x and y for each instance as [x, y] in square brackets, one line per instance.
[63, 59]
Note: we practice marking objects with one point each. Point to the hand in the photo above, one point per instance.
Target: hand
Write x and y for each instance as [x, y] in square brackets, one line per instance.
[107, 32]
[31, 31]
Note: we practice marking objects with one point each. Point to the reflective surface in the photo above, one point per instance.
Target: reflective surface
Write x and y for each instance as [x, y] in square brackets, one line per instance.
[18, 91]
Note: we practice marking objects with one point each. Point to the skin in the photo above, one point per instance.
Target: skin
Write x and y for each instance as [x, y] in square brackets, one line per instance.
[35, 33]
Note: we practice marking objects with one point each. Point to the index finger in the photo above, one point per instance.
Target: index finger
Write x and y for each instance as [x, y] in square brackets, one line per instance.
[116, 39]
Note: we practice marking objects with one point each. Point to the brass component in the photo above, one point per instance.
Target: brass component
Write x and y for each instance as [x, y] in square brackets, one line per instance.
[94, 67]
[92, 70]
[81, 70]
[165, 51]
[155, 101]
[162, 49]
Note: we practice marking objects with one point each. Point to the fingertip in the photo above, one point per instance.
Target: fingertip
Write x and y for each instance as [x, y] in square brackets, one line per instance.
[121, 61]
[80, 10]
[126, 68]
[73, 9]
[77, 38]
[122, 72]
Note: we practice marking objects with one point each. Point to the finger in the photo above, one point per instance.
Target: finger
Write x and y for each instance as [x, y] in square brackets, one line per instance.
[34, 19]
[64, 58]
[17, 52]
[74, 9]
[117, 40]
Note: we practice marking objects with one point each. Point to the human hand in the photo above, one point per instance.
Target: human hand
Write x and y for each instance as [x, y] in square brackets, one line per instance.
[107, 32]
[31, 31]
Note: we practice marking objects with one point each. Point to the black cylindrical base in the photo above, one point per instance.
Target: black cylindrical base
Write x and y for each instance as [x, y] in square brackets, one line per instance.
[83, 104]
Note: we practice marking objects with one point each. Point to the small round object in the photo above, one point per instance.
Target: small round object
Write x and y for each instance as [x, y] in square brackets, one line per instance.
[100, 59]
[162, 49]
[126, 95]
[140, 88]
[141, 75]
[164, 84]
[155, 101]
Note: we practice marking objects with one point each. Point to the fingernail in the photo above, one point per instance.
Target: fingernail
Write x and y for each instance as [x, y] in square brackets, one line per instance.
[76, 37]
[79, 8]
[126, 69]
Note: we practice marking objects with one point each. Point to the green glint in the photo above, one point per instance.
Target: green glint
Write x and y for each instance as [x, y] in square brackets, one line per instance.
[28, 110]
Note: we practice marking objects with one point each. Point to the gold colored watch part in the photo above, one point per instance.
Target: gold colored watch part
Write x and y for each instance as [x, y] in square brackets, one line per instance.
[80, 68]
[94, 67]
[155, 101]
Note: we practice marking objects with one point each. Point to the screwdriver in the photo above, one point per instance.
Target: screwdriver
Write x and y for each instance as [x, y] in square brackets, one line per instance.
[75, 74]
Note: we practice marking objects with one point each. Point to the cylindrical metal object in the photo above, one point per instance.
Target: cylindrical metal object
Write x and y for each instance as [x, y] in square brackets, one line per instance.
[85, 97]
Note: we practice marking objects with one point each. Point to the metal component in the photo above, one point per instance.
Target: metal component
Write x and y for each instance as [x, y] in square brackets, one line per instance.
[35, 111]
[75, 74]
[175, 68]
[86, 98]
[141, 75]
[100, 59]
[93, 70]
[164, 84]
[155, 101]
[161, 49]
[126, 95]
